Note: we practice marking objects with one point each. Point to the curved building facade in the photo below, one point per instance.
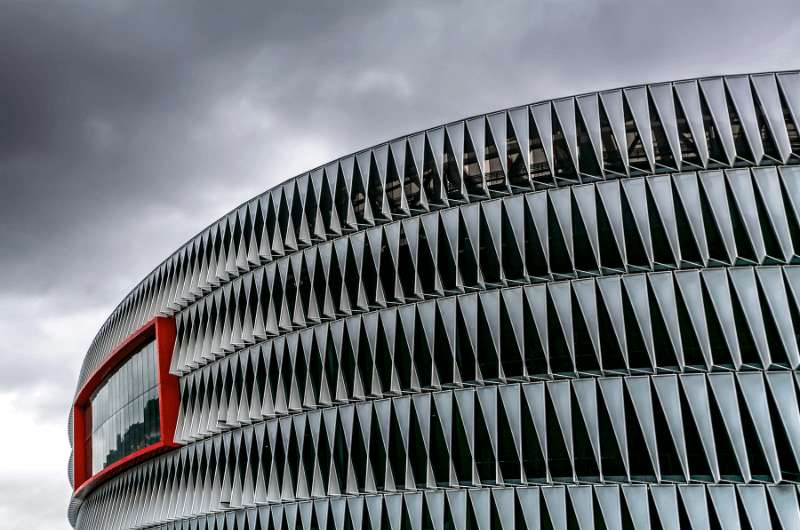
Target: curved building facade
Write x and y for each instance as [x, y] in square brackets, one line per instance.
[581, 313]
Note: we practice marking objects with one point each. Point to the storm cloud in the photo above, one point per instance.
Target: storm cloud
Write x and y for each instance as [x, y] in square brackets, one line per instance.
[126, 127]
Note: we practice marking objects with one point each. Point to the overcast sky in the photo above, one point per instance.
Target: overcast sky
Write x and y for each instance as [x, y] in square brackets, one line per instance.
[126, 127]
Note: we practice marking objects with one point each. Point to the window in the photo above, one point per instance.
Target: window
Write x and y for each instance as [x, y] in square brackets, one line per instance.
[127, 409]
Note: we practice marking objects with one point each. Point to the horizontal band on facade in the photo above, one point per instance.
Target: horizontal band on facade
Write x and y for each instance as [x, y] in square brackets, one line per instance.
[686, 428]
[520, 508]
[665, 322]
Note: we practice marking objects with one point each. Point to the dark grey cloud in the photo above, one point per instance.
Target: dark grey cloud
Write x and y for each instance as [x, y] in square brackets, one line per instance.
[126, 127]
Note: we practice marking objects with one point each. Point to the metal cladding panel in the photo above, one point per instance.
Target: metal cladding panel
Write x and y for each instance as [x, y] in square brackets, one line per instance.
[576, 313]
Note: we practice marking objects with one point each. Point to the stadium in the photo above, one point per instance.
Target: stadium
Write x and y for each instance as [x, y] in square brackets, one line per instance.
[579, 313]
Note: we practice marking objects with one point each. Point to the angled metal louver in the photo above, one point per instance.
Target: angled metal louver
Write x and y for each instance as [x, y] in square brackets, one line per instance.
[576, 313]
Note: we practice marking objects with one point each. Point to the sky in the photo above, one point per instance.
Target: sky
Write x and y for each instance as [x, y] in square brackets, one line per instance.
[127, 127]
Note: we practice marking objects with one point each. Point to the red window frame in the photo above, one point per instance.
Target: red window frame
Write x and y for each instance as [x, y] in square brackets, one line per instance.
[162, 329]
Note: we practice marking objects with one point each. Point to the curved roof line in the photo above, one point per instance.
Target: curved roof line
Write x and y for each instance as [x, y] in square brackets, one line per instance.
[400, 137]
[445, 124]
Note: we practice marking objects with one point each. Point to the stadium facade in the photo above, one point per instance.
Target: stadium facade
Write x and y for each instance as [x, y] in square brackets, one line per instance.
[581, 313]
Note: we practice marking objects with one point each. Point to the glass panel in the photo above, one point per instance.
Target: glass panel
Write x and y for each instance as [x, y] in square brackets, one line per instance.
[125, 415]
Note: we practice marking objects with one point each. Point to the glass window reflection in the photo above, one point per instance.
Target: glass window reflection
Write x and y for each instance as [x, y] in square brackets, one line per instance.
[125, 415]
